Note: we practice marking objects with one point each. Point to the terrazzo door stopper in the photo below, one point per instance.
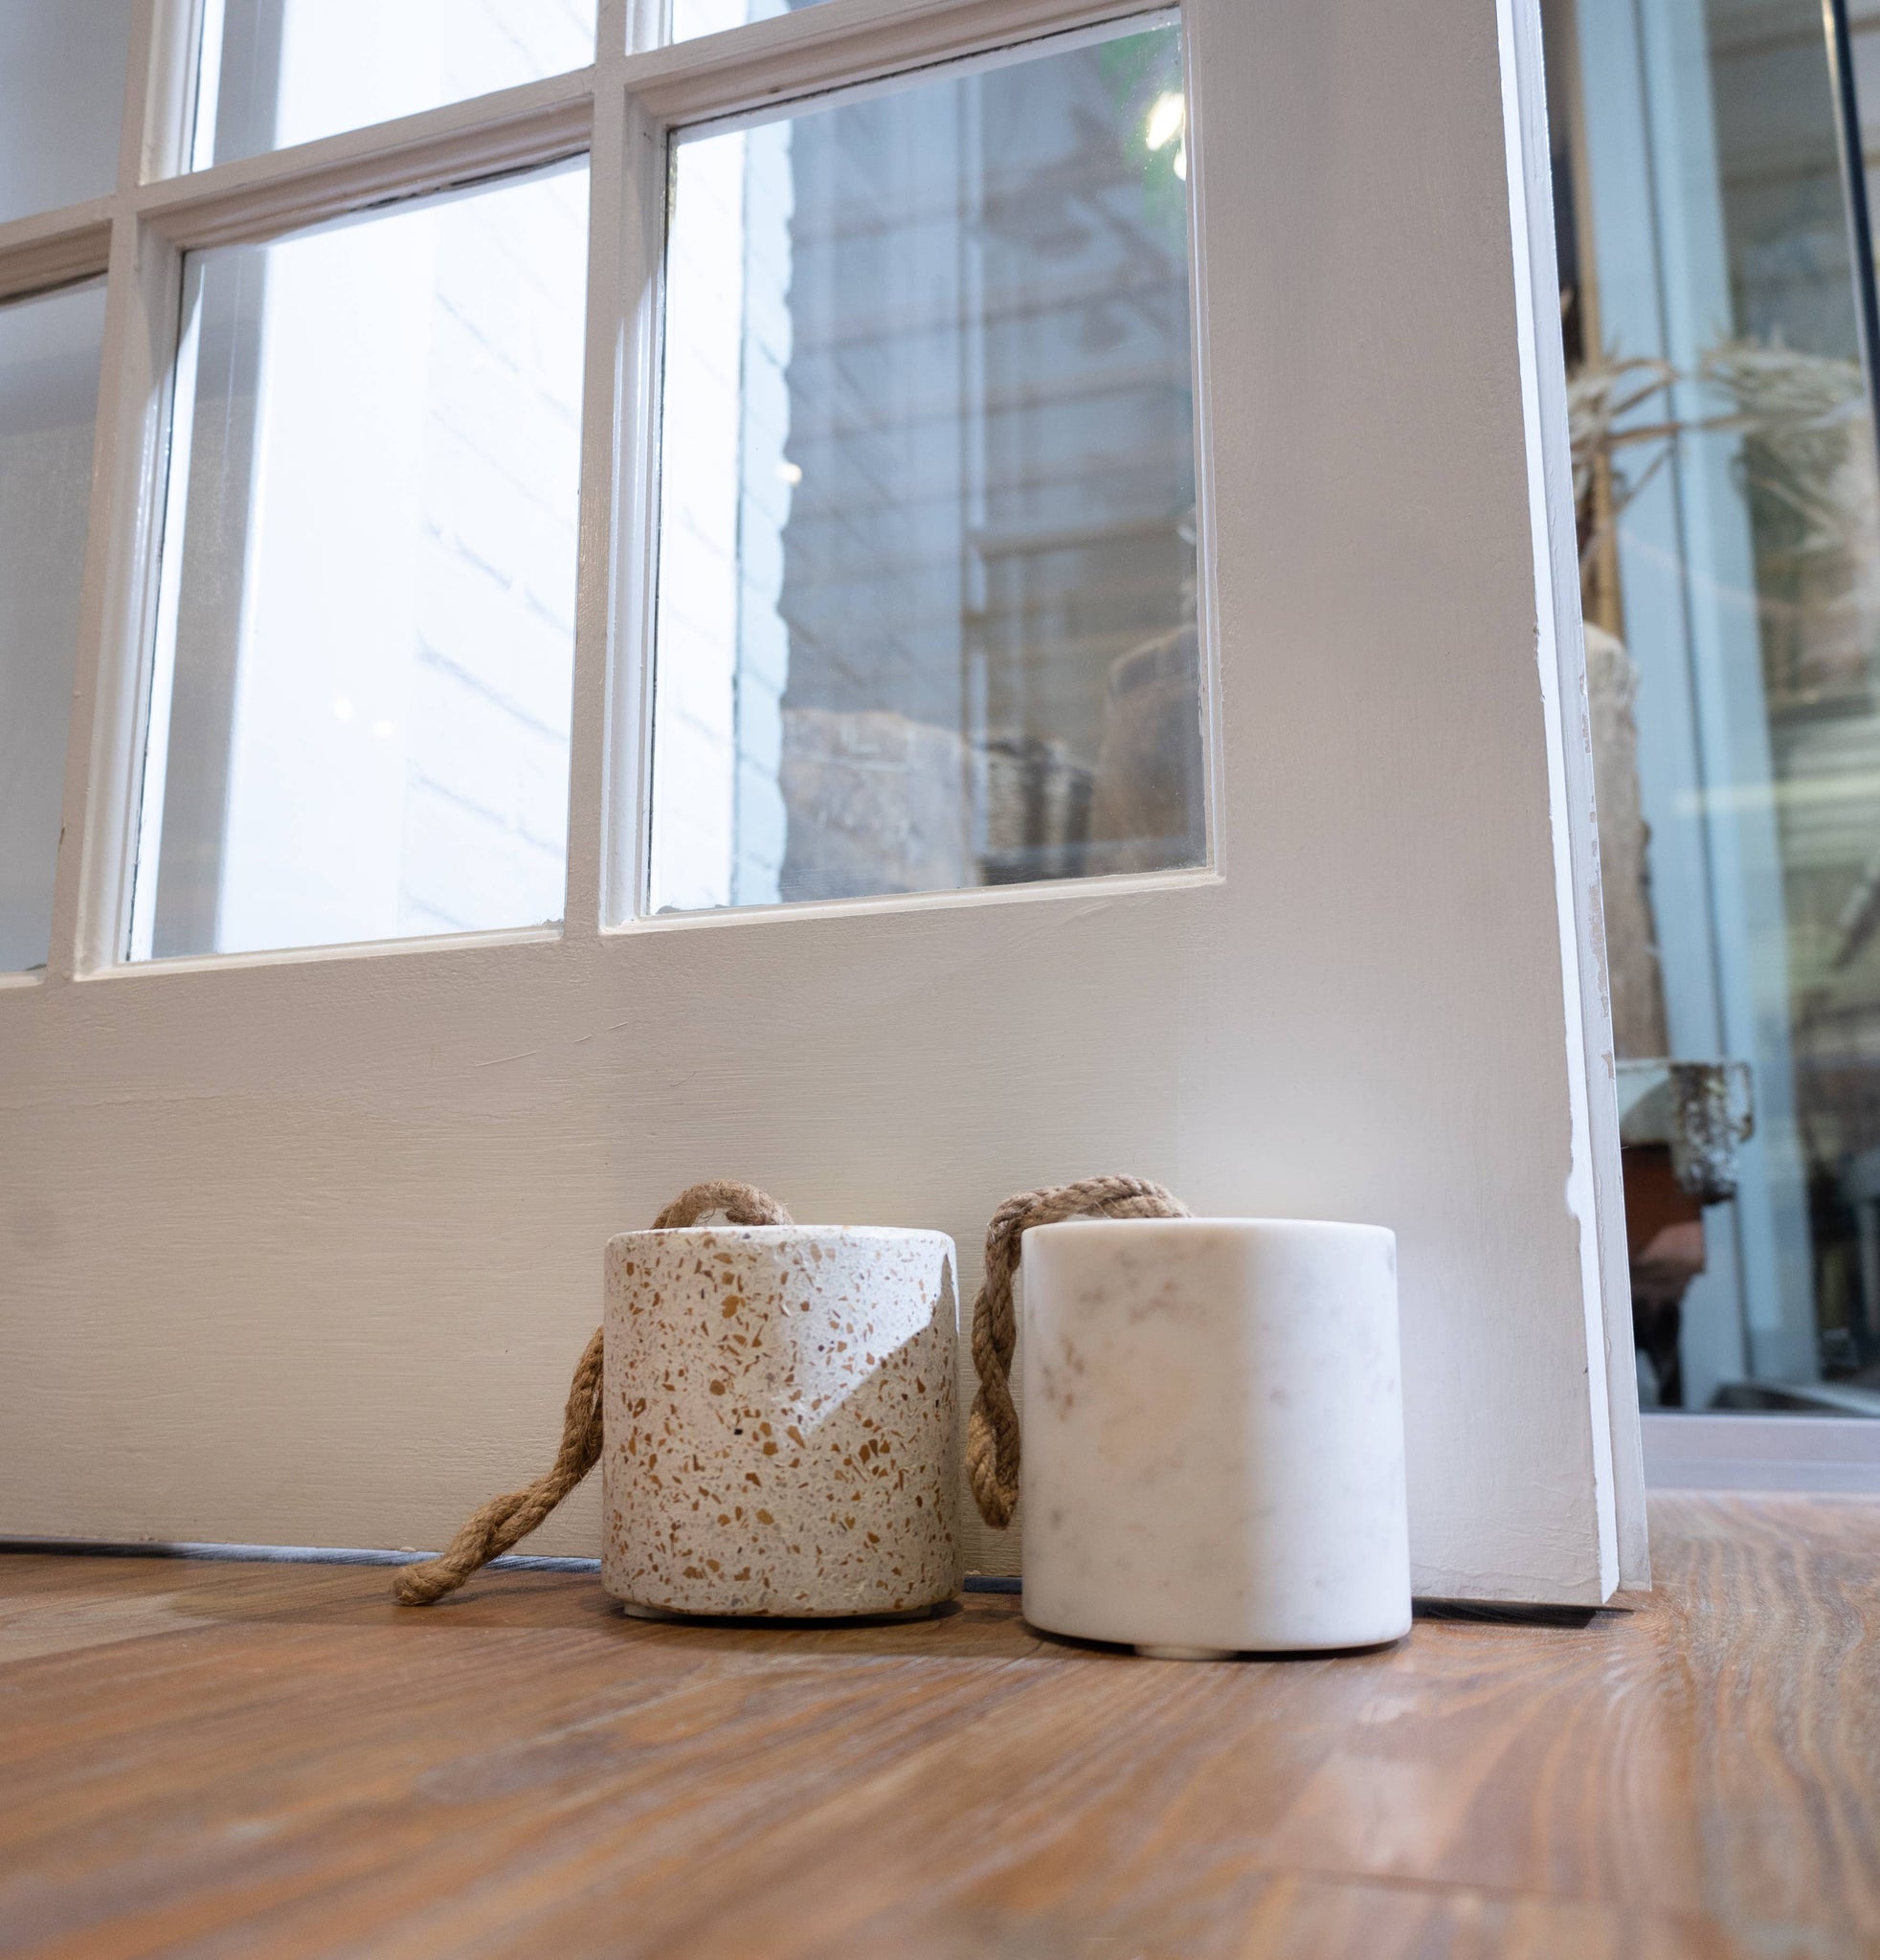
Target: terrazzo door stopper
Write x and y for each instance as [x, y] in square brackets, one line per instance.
[773, 1410]
[1213, 1457]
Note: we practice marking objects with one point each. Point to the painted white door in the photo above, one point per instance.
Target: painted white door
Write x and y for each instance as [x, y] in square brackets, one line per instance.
[299, 1246]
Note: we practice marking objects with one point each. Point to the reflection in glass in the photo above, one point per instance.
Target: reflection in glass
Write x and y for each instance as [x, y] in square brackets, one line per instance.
[1716, 273]
[926, 588]
[359, 722]
[50, 351]
[279, 71]
[63, 67]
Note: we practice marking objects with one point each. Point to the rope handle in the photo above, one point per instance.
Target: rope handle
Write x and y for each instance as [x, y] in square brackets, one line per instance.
[490, 1531]
[991, 1429]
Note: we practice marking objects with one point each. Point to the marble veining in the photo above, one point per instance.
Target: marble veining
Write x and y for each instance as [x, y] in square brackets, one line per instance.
[781, 1420]
[1214, 1435]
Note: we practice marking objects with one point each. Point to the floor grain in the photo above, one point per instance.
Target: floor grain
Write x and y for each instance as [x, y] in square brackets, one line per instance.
[223, 1759]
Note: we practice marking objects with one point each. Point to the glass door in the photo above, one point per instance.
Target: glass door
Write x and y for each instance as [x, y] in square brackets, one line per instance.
[1717, 304]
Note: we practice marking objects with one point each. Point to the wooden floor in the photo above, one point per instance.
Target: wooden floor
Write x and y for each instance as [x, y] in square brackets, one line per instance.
[229, 1759]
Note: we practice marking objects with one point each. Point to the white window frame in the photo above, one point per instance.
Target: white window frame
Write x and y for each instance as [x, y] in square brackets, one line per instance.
[624, 105]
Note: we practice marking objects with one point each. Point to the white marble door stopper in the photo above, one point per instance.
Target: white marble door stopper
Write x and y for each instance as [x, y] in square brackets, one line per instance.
[1212, 1435]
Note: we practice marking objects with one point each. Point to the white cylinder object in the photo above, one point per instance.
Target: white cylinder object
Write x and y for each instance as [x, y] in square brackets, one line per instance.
[780, 1421]
[1212, 1435]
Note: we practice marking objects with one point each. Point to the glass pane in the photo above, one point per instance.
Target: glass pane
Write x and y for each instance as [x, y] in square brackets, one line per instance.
[690, 17]
[1716, 274]
[49, 359]
[926, 597]
[281, 72]
[61, 100]
[359, 724]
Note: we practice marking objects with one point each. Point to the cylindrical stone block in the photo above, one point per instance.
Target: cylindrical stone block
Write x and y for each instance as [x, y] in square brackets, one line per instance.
[780, 1421]
[1213, 1455]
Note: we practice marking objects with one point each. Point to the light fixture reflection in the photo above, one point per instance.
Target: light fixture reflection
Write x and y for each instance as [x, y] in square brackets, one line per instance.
[1165, 121]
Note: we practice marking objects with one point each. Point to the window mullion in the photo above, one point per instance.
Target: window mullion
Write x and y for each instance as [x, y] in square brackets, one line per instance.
[257, 197]
[102, 772]
[626, 734]
[55, 248]
[99, 806]
[609, 441]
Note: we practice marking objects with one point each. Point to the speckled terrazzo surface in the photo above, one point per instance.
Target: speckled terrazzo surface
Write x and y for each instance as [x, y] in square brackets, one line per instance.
[781, 1420]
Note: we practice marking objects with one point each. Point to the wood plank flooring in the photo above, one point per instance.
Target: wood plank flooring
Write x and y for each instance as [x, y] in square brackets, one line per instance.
[222, 1759]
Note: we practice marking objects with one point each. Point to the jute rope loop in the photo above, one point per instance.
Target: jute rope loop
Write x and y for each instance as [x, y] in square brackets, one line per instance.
[490, 1533]
[991, 1429]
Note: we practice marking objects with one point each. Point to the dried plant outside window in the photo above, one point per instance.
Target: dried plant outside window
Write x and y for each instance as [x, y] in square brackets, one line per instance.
[1804, 460]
